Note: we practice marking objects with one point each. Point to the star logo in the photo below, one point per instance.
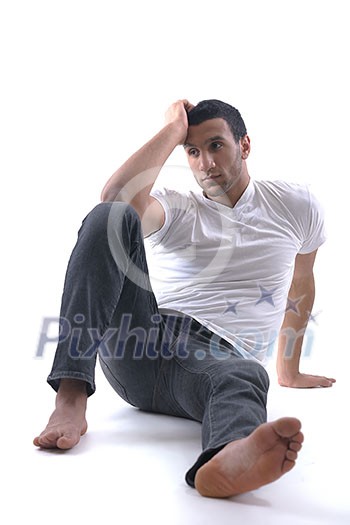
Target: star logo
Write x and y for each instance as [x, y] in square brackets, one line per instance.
[231, 307]
[266, 296]
[312, 317]
[293, 305]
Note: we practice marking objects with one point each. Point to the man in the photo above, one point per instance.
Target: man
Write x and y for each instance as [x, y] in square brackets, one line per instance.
[226, 261]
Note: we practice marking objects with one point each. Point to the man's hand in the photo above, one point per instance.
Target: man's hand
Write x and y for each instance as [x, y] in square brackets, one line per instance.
[306, 381]
[177, 113]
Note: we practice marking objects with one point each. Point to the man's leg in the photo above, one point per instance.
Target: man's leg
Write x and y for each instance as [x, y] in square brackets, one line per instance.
[209, 382]
[106, 284]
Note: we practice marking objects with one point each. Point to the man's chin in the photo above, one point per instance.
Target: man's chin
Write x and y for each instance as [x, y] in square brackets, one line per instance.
[214, 192]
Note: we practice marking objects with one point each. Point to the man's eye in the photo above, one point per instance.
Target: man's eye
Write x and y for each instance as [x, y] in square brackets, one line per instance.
[216, 145]
[192, 152]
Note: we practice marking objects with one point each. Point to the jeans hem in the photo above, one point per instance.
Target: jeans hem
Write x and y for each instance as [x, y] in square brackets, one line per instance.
[203, 458]
[54, 380]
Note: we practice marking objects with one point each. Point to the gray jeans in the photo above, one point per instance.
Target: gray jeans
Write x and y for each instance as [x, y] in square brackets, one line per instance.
[160, 362]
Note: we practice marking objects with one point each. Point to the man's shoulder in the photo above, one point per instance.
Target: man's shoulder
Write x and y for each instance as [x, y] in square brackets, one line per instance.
[280, 187]
[288, 194]
[177, 197]
[166, 190]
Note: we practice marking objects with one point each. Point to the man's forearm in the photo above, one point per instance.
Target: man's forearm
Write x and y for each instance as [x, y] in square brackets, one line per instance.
[140, 171]
[292, 332]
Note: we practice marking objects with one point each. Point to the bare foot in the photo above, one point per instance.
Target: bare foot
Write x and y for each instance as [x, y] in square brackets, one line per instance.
[63, 431]
[67, 423]
[249, 463]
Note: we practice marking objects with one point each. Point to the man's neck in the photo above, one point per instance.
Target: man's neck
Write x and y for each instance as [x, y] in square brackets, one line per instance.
[232, 195]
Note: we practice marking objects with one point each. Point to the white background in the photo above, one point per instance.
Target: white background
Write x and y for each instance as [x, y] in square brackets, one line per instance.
[85, 83]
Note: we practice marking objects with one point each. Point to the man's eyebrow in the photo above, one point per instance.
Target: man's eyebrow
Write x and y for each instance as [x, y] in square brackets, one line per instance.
[210, 139]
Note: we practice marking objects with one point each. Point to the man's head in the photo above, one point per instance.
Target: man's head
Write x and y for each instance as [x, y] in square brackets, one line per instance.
[209, 109]
[217, 146]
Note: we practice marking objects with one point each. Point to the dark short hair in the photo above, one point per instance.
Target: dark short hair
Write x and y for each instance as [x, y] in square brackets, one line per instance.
[208, 109]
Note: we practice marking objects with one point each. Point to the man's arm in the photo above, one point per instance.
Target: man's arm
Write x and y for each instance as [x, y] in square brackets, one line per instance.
[133, 181]
[301, 294]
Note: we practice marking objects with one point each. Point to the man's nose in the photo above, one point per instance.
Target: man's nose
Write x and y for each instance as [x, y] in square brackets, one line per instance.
[206, 162]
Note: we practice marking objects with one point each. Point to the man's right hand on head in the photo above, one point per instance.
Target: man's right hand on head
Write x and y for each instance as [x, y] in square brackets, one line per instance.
[177, 113]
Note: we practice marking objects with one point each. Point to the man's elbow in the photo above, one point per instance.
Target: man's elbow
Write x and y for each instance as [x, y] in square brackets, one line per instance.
[106, 196]
[109, 194]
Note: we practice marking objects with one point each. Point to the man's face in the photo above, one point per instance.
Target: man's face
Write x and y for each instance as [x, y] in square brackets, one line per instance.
[214, 157]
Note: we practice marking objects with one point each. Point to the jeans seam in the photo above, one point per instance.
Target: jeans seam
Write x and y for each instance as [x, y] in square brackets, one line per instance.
[210, 416]
[179, 363]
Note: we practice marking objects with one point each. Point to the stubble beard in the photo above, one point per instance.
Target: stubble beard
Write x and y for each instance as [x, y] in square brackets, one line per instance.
[218, 190]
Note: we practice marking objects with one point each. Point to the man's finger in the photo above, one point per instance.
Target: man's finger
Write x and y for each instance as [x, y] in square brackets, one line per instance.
[188, 105]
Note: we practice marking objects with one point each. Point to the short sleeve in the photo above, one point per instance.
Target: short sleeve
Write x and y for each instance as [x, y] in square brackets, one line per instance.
[175, 205]
[313, 226]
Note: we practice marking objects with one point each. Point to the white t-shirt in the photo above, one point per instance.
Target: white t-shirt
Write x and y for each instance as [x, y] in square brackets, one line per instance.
[231, 268]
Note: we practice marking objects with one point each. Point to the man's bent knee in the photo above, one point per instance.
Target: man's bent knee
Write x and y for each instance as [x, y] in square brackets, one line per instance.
[109, 216]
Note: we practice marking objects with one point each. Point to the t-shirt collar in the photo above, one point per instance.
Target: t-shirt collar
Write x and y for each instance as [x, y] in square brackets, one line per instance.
[240, 204]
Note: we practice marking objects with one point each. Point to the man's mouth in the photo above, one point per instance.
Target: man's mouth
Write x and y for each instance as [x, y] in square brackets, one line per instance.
[212, 176]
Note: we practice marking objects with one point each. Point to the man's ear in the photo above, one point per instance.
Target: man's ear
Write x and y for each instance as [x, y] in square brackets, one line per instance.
[245, 146]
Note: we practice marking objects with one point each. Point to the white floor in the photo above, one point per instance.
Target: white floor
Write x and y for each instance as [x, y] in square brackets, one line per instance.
[129, 467]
